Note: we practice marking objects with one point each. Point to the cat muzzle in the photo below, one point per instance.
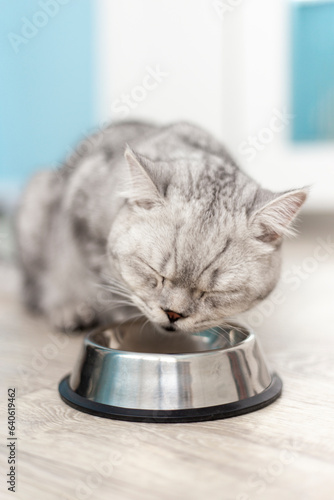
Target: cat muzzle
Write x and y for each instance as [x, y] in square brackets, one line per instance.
[172, 315]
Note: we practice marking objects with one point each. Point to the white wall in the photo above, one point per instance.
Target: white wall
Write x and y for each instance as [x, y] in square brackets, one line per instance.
[184, 38]
[256, 63]
[227, 72]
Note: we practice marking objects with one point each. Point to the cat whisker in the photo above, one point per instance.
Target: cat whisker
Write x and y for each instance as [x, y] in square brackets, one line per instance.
[143, 326]
[134, 318]
[222, 333]
[116, 286]
[115, 291]
[115, 282]
[118, 305]
[233, 327]
[122, 303]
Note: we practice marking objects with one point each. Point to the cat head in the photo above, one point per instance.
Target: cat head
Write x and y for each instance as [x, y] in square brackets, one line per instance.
[197, 241]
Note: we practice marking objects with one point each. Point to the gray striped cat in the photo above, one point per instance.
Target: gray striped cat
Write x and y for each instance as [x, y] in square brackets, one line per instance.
[152, 221]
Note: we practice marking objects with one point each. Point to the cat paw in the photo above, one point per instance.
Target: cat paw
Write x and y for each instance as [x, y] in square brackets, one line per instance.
[73, 318]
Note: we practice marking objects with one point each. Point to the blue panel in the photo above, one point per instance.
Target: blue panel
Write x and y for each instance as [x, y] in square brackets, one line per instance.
[46, 84]
[313, 70]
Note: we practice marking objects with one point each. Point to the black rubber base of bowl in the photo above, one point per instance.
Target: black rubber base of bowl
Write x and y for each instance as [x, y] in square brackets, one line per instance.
[265, 398]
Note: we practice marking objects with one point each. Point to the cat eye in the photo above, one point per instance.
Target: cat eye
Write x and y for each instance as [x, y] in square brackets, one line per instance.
[148, 265]
[219, 292]
[153, 282]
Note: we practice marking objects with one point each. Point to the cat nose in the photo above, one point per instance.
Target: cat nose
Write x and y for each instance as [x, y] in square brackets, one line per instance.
[172, 315]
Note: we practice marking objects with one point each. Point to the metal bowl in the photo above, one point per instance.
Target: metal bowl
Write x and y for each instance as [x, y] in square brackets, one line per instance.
[134, 372]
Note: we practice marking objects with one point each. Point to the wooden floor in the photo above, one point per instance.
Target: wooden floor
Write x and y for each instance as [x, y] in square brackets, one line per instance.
[284, 451]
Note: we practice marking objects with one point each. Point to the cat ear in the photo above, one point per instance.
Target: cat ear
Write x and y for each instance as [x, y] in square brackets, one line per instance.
[273, 220]
[141, 189]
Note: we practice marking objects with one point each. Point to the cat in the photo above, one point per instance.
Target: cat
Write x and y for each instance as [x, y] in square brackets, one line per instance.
[152, 221]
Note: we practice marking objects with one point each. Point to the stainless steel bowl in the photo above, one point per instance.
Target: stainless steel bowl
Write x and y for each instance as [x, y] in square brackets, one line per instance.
[134, 372]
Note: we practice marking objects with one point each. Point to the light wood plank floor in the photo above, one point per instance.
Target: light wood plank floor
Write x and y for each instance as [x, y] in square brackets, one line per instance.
[284, 451]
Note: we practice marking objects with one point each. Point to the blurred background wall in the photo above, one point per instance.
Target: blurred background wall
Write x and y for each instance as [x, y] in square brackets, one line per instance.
[255, 73]
[47, 93]
[279, 61]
